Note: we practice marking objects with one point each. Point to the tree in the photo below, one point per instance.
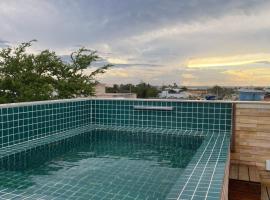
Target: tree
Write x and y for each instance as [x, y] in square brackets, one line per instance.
[184, 88]
[143, 90]
[221, 92]
[43, 76]
[114, 89]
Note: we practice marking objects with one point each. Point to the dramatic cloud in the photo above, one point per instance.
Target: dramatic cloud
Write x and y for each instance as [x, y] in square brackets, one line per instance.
[189, 42]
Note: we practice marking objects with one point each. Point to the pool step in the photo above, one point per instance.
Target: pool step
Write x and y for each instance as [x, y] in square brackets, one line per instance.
[23, 146]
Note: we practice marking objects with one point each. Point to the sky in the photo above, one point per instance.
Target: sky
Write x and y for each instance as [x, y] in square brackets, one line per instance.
[188, 42]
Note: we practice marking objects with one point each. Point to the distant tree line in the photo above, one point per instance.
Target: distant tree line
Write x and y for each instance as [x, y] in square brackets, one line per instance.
[143, 90]
[221, 92]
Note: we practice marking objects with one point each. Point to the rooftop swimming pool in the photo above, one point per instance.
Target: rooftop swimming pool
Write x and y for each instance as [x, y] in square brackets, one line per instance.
[114, 149]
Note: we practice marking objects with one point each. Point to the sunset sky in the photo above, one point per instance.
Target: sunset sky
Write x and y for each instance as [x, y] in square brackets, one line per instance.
[189, 42]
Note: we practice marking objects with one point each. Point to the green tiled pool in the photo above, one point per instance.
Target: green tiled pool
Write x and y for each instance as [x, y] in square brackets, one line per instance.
[113, 149]
[101, 164]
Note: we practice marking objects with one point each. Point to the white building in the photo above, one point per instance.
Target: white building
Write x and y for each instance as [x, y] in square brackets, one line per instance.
[169, 93]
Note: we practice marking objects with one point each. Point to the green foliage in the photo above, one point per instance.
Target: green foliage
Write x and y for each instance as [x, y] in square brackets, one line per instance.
[184, 88]
[143, 90]
[43, 76]
[221, 92]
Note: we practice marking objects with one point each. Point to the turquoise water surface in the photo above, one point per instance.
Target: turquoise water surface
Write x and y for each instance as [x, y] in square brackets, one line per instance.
[102, 164]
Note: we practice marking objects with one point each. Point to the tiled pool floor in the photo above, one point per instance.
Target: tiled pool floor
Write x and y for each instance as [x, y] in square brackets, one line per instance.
[99, 165]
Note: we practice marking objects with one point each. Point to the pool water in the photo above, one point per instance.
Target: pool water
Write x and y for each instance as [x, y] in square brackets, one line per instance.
[101, 164]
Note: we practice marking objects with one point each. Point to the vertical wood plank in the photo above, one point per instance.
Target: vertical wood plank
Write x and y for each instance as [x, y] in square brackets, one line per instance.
[268, 191]
[264, 193]
[253, 174]
[243, 173]
[233, 171]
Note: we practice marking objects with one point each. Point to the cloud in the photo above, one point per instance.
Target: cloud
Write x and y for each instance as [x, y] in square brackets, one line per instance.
[153, 40]
[117, 61]
[257, 76]
[228, 24]
[234, 60]
[4, 43]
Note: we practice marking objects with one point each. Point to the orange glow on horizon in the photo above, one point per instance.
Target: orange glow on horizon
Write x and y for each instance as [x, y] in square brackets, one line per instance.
[227, 60]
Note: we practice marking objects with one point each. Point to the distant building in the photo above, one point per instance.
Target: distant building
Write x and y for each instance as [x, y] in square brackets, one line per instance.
[119, 95]
[267, 95]
[174, 93]
[100, 90]
[210, 97]
[251, 95]
[201, 91]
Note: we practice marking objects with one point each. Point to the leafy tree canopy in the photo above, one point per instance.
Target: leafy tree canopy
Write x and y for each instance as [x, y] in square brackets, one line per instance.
[143, 90]
[43, 76]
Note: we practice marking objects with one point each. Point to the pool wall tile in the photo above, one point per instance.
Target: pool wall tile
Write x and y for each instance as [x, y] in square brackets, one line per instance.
[184, 115]
[28, 122]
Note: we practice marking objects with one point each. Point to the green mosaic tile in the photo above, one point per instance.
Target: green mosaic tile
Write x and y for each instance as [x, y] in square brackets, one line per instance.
[28, 122]
[185, 115]
[28, 127]
[115, 164]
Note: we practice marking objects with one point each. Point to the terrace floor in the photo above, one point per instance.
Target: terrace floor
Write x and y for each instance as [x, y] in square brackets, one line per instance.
[245, 184]
[244, 173]
[244, 190]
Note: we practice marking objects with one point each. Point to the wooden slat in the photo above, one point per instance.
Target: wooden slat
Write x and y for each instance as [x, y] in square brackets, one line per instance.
[253, 112]
[265, 192]
[253, 174]
[233, 171]
[252, 138]
[243, 173]
[268, 191]
[225, 187]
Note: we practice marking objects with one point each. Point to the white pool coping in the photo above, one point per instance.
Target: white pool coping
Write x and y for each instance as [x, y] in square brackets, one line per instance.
[9, 105]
